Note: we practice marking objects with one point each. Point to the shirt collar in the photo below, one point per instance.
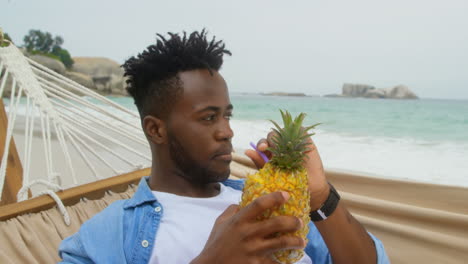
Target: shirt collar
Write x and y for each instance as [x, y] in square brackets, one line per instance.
[142, 195]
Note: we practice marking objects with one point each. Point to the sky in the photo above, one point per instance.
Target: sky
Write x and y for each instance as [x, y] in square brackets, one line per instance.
[313, 46]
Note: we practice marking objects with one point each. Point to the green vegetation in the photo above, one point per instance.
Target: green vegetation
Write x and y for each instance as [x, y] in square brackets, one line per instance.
[7, 37]
[43, 43]
[4, 36]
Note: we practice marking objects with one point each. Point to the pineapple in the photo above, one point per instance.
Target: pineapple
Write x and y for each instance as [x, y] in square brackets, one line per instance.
[284, 172]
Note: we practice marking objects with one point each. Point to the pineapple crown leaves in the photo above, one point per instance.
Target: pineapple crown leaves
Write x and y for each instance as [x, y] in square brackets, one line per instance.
[290, 142]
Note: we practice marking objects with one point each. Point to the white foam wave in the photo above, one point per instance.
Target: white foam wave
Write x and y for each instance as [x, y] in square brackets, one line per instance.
[406, 158]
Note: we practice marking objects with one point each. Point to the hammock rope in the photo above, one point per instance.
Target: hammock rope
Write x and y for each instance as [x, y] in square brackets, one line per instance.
[83, 123]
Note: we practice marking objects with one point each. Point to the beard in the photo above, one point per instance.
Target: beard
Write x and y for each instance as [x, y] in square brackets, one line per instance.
[190, 169]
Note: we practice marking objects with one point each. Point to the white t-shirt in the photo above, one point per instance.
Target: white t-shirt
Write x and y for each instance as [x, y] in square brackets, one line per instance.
[186, 224]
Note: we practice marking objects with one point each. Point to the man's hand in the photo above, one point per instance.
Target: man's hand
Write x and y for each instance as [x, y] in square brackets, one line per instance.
[238, 237]
[318, 185]
[346, 239]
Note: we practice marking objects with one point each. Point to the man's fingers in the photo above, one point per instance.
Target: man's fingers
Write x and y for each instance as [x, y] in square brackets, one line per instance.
[262, 145]
[283, 224]
[255, 157]
[263, 203]
[271, 245]
[270, 138]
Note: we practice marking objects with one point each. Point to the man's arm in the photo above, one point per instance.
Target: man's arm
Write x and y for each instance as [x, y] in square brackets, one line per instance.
[71, 251]
[345, 237]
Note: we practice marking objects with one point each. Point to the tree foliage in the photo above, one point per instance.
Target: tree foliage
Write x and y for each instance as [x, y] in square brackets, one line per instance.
[64, 56]
[5, 37]
[44, 43]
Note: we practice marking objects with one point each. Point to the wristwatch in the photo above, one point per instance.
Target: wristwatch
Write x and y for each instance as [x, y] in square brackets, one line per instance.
[327, 208]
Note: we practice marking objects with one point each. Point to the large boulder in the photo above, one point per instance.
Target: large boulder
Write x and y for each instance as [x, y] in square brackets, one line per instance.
[356, 90]
[50, 63]
[368, 91]
[80, 78]
[118, 85]
[401, 92]
[96, 66]
[106, 74]
[375, 93]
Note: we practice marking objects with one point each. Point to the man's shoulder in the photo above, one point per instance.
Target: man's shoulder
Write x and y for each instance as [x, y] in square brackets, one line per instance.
[107, 216]
[97, 233]
[103, 225]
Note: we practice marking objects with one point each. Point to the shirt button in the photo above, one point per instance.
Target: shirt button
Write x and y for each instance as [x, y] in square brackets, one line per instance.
[157, 209]
[144, 243]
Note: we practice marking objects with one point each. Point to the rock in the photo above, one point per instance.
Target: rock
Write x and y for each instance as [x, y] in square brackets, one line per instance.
[80, 78]
[401, 92]
[102, 83]
[368, 91]
[356, 90]
[106, 74]
[375, 93]
[50, 63]
[96, 66]
[118, 85]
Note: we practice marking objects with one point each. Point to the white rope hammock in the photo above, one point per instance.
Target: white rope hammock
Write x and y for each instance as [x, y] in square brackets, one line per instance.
[99, 132]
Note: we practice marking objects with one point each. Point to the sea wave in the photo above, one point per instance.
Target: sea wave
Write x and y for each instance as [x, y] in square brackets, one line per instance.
[388, 157]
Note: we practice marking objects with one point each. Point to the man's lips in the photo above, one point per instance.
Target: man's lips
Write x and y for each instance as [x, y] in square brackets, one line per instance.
[224, 157]
[224, 154]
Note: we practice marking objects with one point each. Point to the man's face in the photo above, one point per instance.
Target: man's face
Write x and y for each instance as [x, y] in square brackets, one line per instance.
[199, 133]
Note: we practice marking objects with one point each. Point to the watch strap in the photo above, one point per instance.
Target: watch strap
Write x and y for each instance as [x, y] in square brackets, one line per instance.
[328, 207]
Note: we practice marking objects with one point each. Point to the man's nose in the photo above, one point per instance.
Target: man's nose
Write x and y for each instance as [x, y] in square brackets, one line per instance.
[224, 131]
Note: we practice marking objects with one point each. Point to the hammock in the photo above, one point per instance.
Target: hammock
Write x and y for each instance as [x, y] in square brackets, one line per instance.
[420, 223]
[84, 123]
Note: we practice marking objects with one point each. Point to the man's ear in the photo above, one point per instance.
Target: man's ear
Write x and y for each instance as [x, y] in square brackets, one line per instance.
[155, 129]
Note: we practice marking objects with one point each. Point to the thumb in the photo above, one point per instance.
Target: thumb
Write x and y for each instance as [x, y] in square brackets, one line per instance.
[228, 213]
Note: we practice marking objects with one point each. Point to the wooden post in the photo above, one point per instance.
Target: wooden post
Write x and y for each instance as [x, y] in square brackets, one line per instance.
[14, 171]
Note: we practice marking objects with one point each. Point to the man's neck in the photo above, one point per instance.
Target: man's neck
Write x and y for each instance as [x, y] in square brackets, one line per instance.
[173, 182]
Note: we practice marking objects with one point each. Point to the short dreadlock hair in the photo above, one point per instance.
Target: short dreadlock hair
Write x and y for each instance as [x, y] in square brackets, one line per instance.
[153, 80]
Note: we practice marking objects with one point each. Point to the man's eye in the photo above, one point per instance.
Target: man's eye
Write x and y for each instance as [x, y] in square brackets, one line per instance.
[228, 117]
[209, 118]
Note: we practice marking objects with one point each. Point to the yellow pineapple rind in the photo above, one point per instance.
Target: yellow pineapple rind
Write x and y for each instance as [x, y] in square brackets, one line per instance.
[268, 180]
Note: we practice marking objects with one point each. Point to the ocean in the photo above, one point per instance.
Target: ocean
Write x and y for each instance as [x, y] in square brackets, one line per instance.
[421, 140]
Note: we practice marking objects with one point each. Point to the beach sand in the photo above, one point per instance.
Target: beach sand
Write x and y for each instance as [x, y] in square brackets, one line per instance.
[83, 173]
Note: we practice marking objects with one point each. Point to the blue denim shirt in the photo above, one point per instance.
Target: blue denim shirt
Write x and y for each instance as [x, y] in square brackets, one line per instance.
[125, 231]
